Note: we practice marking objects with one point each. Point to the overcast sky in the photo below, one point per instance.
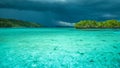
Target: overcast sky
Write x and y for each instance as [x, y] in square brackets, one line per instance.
[59, 12]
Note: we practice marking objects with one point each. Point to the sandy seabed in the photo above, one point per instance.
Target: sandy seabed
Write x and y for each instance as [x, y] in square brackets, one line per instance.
[59, 48]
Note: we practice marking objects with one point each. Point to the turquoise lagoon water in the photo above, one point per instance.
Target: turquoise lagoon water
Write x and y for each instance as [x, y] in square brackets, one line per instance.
[59, 48]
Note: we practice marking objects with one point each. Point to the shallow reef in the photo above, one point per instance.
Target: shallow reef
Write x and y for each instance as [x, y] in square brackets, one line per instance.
[59, 48]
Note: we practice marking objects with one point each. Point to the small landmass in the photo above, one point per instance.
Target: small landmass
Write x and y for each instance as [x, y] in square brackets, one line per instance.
[85, 24]
[8, 23]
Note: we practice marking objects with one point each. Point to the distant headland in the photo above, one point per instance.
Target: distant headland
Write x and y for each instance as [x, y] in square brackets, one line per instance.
[9, 23]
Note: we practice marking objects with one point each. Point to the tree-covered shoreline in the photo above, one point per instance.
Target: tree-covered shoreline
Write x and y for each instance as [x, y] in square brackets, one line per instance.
[83, 24]
[86, 24]
[11, 23]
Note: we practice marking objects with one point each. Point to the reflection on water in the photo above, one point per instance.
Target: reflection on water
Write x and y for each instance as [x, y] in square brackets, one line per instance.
[59, 48]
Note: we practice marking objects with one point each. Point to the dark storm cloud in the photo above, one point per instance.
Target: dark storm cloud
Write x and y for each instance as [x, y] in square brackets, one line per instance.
[56, 11]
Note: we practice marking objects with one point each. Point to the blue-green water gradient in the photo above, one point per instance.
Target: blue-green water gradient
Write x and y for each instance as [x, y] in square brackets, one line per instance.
[59, 48]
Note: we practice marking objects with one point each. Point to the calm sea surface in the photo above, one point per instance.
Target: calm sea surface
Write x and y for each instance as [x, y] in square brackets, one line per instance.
[59, 48]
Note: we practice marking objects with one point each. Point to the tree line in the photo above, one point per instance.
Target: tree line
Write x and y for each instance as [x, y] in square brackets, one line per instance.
[16, 23]
[84, 24]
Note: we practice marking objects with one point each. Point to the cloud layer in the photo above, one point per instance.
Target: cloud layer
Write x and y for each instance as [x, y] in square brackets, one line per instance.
[50, 12]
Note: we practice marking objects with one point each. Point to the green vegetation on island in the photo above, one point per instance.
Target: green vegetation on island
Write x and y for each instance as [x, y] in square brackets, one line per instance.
[7, 23]
[85, 24]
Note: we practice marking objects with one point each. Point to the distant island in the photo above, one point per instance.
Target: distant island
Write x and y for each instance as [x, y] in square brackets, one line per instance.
[86, 24]
[8, 23]
[83, 24]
